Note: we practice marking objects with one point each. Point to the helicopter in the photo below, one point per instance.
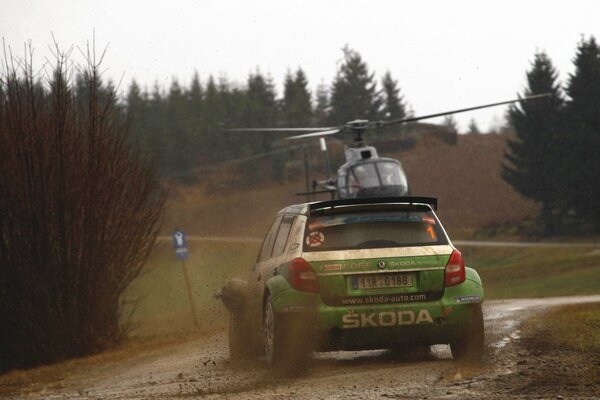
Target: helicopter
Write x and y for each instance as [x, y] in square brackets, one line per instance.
[365, 174]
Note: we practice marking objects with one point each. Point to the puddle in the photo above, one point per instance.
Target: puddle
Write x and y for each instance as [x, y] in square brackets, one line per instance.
[515, 335]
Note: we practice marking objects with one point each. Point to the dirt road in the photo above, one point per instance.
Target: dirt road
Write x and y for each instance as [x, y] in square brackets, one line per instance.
[200, 369]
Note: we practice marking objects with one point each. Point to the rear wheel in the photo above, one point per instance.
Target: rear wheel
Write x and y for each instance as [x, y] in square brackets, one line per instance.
[271, 334]
[470, 346]
[282, 349]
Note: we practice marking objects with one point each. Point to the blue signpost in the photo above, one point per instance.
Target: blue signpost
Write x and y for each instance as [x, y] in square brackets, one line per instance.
[182, 253]
[180, 243]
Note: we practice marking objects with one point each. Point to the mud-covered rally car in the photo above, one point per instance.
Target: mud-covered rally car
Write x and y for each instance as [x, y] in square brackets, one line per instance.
[355, 274]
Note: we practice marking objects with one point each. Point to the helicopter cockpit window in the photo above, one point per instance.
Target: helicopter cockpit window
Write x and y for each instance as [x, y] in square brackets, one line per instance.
[368, 175]
[364, 176]
[390, 174]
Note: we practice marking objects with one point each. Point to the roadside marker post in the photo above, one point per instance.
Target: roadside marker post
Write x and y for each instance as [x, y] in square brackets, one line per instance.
[182, 253]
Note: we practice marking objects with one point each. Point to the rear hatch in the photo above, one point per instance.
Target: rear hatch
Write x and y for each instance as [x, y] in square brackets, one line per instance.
[378, 256]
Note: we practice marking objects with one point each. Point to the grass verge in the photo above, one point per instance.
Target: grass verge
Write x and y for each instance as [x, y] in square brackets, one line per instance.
[573, 327]
[561, 357]
[535, 272]
[157, 300]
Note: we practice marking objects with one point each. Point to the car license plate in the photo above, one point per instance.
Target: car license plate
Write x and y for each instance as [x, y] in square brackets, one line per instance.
[380, 281]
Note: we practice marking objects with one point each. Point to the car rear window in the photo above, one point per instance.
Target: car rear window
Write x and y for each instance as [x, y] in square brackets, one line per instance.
[366, 230]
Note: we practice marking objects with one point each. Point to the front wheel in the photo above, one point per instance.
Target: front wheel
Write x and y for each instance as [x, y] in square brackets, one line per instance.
[470, 346]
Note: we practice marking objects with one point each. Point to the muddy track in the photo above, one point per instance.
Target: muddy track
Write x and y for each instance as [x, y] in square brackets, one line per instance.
[201, 369]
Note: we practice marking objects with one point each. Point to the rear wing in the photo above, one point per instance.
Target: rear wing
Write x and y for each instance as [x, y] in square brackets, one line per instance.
[329, 205]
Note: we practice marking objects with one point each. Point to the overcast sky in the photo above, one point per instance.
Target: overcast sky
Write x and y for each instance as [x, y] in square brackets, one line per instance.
[444, 54]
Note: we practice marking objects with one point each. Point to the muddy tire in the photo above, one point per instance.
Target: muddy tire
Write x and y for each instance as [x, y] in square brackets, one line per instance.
[282, 351]
[471, 346]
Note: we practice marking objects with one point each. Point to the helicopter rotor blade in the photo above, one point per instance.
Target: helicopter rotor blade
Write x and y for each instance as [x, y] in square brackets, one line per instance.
[320, 128]
[419, 118]
[258, 156]
[314, 134]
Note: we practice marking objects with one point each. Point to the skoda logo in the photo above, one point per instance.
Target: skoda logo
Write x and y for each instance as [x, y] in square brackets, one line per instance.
[381, 264]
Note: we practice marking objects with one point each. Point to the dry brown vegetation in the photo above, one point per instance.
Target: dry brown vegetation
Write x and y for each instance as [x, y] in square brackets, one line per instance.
[79, 213]
[466, 179]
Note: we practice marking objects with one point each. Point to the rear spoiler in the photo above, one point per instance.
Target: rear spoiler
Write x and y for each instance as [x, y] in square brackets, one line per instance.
[331, 204]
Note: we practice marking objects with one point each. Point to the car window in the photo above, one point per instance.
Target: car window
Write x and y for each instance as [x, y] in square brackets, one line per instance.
[368, 229]
[267, 246]
[282, 235]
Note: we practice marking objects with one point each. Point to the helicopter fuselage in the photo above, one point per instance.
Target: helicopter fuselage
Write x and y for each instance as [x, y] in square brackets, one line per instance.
[365, 174]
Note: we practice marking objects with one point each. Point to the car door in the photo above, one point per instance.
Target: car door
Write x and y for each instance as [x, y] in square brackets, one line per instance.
[264, 255]
[274, 254]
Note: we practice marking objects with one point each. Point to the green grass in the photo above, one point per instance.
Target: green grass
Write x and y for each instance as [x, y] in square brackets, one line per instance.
[535, 272]
[576, 327]
[161, 302]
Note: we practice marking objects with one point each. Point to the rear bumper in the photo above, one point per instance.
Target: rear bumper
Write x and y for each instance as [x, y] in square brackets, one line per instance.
[373, 326]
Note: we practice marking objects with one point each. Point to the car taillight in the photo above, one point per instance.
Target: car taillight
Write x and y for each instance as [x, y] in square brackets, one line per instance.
[455, 269]
[302, 277]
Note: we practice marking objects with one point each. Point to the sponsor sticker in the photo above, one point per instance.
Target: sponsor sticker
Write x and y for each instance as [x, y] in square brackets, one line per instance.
[403, 263]
[359, 265]
[315, 239]
[331, 267]
[467, 299]
[352, 320]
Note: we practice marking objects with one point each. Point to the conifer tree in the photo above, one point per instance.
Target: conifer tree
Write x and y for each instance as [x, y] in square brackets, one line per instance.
[582, 145]
[450, 123]
[214, 115]
[261, 107]
[321, 112]
[156, 119]
[354, 91]
[261, 111]
[213, 105]
[195, 95]
[533, 164]
[451, 136]
[473, 128]
[296, 104]
[234, 102]
[393, 106]
[181, 154]
[193, 114]
[136, 114]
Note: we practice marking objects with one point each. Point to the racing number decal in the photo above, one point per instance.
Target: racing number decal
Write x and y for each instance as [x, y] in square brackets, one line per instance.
[315, 239]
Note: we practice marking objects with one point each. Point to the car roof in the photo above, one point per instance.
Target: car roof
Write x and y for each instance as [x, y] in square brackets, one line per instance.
[328, 206]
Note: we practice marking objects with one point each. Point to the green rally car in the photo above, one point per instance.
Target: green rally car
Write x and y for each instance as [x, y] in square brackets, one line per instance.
[355, 274]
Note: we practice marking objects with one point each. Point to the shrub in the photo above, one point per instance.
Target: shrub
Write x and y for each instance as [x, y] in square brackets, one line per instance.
[79, 212]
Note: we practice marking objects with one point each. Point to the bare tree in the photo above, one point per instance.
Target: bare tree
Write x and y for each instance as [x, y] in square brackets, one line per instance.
[79, 211]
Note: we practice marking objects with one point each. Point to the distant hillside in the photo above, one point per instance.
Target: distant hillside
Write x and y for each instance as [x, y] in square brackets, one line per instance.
[465, 177]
